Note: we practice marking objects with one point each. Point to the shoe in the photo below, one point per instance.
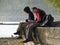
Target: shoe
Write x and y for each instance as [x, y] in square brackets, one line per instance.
[38, 44]
[17, 33]
[27, 40]
[19, 38]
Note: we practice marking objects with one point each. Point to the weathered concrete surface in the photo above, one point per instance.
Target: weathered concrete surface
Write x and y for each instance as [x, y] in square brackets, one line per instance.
[13, 41]
[50, 35]
[10, 41]
[56, 24]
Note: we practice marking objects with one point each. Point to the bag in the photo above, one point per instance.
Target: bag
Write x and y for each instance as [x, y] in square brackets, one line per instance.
[50, 18]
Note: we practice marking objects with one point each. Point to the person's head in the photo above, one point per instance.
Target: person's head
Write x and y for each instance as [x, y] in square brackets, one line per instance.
[34, 9]
[27, 9]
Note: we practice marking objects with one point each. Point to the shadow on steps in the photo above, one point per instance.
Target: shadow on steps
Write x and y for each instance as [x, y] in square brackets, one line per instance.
[56, 24]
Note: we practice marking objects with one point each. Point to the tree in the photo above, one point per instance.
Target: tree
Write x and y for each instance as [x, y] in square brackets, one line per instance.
[54, 3]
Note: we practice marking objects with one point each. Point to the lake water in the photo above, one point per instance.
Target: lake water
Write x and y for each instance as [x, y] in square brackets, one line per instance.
[7, 30]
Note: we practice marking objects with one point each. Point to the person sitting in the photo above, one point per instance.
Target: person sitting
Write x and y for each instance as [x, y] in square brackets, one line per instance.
[42, 20]
[22, 25]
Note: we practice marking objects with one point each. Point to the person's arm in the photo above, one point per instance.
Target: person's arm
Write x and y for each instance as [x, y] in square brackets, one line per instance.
[46, 20]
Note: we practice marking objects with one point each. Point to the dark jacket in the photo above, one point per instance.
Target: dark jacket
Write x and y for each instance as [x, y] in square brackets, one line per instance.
[31, 16]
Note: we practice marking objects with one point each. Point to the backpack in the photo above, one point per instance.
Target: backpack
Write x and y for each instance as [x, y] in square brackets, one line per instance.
[50, 18]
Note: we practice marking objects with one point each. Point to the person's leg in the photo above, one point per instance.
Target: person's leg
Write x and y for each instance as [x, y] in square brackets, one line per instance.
[31, 29]
[36, 34]
[28, 33]
[21, 29]
[24, 25]
[37, 37]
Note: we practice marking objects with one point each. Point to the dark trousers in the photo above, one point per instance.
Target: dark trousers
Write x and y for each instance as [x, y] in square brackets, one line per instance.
[21, 29]
[32, 29]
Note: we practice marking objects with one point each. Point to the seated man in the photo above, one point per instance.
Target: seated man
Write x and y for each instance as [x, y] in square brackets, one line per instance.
[21, 28]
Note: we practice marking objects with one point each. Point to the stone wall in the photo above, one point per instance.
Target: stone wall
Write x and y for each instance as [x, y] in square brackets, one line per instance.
[50, 35]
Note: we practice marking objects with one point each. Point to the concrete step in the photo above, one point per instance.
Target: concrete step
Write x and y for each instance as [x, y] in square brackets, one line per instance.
[11, 41]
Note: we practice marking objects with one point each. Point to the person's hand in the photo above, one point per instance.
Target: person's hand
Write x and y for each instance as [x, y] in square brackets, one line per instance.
[32, 21]
[41, 25]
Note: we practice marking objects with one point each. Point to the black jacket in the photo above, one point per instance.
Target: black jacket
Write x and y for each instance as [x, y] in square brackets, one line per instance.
[31, 16]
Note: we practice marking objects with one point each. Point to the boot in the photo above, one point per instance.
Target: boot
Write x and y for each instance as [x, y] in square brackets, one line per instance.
[17, 33]
[19, 37]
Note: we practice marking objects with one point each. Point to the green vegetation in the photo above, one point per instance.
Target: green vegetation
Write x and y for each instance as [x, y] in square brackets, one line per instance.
[54, 3]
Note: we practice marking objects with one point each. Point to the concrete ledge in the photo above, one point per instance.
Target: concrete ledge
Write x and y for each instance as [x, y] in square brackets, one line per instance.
[10, 41]
[13, 41]
[49, 35]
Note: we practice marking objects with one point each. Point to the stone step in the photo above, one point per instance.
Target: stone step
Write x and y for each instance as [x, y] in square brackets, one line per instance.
[11, 41]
